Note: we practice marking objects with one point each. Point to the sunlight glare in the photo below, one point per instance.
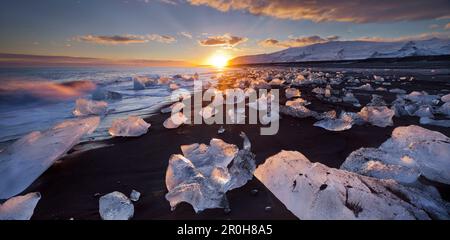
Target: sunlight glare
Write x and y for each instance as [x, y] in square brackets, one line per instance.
[219, 60]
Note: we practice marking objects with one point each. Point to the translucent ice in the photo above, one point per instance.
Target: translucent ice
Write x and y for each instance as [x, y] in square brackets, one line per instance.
[132, 126]
[292, 92]
[202, 176]
[429, 121]
[345, 122]
[115, 206]
[446, 98]
[19, 207]
[409, 151]
[315, 191]
[84, 107]
[135, 195]
[175, 120]
[27, 158]
[102, 94]
[380, 116]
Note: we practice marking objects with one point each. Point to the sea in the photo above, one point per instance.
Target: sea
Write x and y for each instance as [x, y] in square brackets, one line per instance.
[35, 99]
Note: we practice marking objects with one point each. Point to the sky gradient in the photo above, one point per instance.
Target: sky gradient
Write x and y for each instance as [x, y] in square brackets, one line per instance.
[194, 30]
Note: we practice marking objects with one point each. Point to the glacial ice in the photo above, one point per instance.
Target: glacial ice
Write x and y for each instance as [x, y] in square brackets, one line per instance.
[115, 206]
[201, 176]
[84, 107]
[446, 98]
[397, 90]
[445, 109]
[102, 94]
[135, 195]
[315, 191]
[350, 98]
[133, 126]
[410, 149]
[140, 82]
[292, 92]
[27, 158]
[365, 87]
[175, 120]
[19, 207]
[429, 121]
[176, 107]
[380, 116]
[345, 122]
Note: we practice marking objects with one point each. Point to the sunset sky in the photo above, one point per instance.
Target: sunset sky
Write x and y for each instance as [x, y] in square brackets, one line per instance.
[194, 30]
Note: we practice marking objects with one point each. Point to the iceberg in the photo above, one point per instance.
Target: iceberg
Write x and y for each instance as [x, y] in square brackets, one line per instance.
[84, 107]
[410, 151]
[19, 207]
[115, 206]
[133, 126]
[202, 176]
[27, 158]
[315, 191]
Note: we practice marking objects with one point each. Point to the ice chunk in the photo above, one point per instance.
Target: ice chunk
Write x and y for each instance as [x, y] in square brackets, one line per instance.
[422, 98]
[176, 107]
[429, 121]
[315, 191]
[135, 195]
[175, 120]
[221, 130]
[377, 100]
[380, 116]
[19, 207]
[297, 110]
[173, 86]
[102, 94]
[201, 176]
[445, 109]
[208, 112]
[446, 98]
[350, 98]
[133, 126]
[115, 206]
[27, 158]
[397, 90]
[424, 111]
[345, 122]
[410, 149]
[292, 92]
[84, 107]
[365, 87]
[276, 82]
[140, 82]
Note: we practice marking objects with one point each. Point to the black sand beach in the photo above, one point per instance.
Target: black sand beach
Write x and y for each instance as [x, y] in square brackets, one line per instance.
[72, 186]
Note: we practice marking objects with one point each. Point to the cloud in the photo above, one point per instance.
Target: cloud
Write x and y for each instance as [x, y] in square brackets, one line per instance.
[296, 41]
[363, 11]
[186, 34]
[447, 26]
[225, 40]
[434, 26]
[161, 38]
[125, 39]
[423, 36]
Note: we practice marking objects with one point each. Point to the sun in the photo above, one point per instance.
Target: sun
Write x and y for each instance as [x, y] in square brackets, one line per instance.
[218, 60]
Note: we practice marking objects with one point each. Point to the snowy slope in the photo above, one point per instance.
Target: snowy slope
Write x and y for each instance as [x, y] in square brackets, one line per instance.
[351, 50]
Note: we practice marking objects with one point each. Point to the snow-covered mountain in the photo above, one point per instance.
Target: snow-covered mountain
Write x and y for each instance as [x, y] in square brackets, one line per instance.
[351, 50]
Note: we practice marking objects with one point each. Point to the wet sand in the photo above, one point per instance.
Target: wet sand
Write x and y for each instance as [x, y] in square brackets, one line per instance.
[71, 187]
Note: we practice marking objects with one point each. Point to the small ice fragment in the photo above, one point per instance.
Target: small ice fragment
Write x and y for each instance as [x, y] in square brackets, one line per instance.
[175, 120]
[84, 107]
[429, 121]
[173, 86]
[19, 207]
[247, 144]
[115, 206]
[133, 126]
[445, 109]
[397, 90]
[135, 195]
[292, 92]
[446, 98]
[102, 94]
[221, 130]
[365, 87]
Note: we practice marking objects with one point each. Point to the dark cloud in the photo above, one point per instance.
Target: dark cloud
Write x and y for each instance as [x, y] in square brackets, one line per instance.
[225, 40]
[125, 39]
[362, 11]
[296, 41]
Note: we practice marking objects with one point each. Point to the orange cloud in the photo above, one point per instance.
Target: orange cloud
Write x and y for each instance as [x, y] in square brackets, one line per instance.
[362, 11]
